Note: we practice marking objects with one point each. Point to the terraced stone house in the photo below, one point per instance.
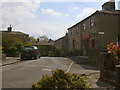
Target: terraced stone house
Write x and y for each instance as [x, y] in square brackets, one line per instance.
[95, 31]
[62, 43]
[91, 35]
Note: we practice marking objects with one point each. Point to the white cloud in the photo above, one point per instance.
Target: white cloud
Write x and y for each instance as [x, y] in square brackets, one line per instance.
[18, 12]
[85, 13]
[0, 15]
[52, 12]
[32, 5]
[57, 0]
[22, 17]
[74, 8]
[41, 28]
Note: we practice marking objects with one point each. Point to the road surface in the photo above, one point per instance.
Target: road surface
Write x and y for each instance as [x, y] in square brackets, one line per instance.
[24, 73]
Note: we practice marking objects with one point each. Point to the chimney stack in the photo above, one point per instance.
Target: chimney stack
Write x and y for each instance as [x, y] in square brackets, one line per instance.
[110, 5]
[10, 29]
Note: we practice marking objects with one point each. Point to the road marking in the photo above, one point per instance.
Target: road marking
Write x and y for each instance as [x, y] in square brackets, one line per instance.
[47, 70]
[70, 66]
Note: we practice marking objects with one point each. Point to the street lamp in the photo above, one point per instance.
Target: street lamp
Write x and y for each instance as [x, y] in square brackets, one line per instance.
[101, 33]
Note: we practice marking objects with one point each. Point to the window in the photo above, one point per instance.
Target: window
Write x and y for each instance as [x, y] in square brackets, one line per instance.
[84, 26]
[71, 32]
[91, 22]
[93, 43]
[118, 40]
[77, 30]
[77, 46]
[73, 42]
[28, 48]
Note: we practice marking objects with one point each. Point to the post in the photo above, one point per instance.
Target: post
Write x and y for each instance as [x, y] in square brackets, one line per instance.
[102, 41]
[101, 33]
[118, 76]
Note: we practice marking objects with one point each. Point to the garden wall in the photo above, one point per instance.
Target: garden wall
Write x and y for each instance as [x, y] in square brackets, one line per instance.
[3, 56]
[94, 57]
[109, 72]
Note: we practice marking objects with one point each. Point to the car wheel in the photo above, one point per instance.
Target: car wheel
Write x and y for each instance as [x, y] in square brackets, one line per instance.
[35, 57]
[22, 58]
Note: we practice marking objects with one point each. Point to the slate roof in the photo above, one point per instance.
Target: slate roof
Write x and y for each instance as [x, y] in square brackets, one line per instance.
[114, 12]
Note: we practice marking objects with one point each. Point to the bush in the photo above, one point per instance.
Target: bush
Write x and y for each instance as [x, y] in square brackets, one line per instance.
[0, 50]
[12, 45]
[45, 50]
[60, 79]
[59, 52]
[75, 53]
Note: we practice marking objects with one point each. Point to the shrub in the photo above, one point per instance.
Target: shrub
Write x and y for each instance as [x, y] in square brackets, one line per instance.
[12, 45]
[60, 79]
[114, 50]
[0, 50]
[45, 50]
[59, 52]
[75, 53]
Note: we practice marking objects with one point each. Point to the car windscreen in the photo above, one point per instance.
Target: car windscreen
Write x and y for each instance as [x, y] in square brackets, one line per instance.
[28, 48]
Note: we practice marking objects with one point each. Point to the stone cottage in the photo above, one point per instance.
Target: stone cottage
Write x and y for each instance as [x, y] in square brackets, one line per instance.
[16, 34]
[93, 33]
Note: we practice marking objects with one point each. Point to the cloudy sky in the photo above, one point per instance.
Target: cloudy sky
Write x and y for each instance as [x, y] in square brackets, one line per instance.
[48, 17]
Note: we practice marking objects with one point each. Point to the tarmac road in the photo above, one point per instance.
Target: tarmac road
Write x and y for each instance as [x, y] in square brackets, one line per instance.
[24, 73]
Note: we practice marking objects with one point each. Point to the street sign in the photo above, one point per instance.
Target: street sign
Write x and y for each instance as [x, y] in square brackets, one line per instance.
[101, 32]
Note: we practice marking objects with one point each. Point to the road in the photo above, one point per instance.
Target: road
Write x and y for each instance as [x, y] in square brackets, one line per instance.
[24, 73]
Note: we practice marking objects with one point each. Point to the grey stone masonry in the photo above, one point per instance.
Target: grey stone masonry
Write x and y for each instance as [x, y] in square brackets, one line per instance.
[109, 72]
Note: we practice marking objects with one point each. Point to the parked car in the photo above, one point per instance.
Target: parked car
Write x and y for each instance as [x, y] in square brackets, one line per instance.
[30, 52]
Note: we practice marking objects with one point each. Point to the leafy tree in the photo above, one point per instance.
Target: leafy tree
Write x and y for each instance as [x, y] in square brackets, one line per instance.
[32, 39]
[43, 38]
[12, 45]
[45, 50]
[0, 50]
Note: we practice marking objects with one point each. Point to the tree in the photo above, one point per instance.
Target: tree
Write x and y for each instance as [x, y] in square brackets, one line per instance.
[12, 45]
[43, 38]
[0, 50]
[32, 39]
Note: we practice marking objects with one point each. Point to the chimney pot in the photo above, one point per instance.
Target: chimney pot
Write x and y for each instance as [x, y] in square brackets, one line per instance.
[10, 29]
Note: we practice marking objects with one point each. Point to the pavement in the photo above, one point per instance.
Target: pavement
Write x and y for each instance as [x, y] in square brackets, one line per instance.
[10, 60]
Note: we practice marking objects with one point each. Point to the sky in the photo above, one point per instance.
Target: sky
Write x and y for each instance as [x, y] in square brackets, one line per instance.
[48, 17]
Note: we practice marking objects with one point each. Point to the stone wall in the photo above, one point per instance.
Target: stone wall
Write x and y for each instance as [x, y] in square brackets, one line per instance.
[3, 56]
[109, 72]
[94, 57]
